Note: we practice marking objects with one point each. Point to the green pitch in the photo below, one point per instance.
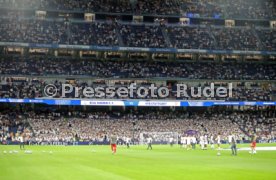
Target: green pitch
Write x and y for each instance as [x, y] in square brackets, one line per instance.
[163, 162]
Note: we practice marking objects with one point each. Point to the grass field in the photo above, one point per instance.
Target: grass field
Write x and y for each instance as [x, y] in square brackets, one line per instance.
[163, 162]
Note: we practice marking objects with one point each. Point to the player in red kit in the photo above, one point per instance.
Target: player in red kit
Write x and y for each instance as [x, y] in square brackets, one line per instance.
[253, 144]
[113, 143]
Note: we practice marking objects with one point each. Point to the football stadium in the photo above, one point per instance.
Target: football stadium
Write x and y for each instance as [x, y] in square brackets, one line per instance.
[137, 89]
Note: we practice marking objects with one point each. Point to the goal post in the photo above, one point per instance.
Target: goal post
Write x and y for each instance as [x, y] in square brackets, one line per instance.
[159, 137]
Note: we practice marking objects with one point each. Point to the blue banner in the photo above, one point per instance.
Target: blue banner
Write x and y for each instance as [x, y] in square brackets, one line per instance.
[136, 103]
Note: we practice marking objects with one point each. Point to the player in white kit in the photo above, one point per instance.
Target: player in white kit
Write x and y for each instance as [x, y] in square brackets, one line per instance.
[171, 141]
[218, 141]
[193, 142]
[212, 142]
[188, 140]
[205, 142]
[201, 142]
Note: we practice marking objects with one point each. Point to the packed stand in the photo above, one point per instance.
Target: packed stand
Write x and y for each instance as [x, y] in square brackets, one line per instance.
[236, 39]
[268, 38]
[110, 6]
[12, 125]
[201, 8]
[33, 31]
[190, 38]
[89, 5]
[142, 36]
[99, 126]
[255, 123]
[255, 93]
[34, 88]
[21, 3]
[101, 34]
[21, 88]
[248, 9]
[134, 69]
[162, 7]
[244, 9]
[149, 36]
[239, 92]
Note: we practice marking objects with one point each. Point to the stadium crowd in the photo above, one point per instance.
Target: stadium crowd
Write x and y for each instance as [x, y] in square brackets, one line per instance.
[12, 125]
[106, 33]
[110, 6]
[98, 126]
[142, 36]
[201, 8]
[35, 88]
[190, 37]
[162, 7]
[236, 38]
[101, 34]
[268, 38]
[38, 66]
[255, 122]
[33, 31]
[248, 9]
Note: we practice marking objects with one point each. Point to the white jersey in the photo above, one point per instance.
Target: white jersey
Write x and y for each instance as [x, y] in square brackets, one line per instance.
[229, 138]
[149, 140]
[171, 140]
[212, 140]
[128, 140]
[218, 140]
[234, 139]
[188, 140]
[183, 141]
[20, 138]
[205, 139]
[201, 140]
[193, 140]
